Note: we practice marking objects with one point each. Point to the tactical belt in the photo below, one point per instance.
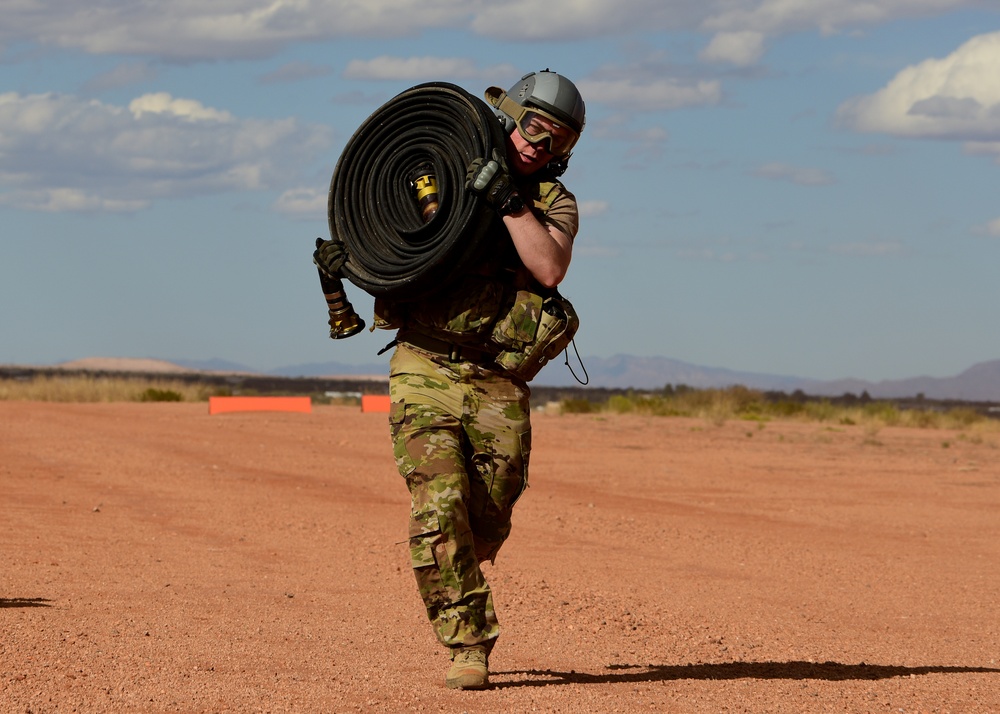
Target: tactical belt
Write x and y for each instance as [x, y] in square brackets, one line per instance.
[451, 351]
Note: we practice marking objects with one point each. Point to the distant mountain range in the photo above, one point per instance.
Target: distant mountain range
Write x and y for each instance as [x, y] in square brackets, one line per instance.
[979, 383]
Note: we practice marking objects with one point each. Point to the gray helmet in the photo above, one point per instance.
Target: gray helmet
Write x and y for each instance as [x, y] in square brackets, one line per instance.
[552, 93]
[543, 107]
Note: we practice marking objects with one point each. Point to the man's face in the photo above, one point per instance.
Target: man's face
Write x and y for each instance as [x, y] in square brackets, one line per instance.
[524, 157]
[536, 140]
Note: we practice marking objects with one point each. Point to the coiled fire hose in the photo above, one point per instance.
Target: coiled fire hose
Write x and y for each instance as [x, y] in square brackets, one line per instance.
[434, 129]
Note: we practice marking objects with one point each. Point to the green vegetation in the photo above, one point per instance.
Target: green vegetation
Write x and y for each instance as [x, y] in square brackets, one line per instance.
[152, 394]
[716, 406]
[721, 405]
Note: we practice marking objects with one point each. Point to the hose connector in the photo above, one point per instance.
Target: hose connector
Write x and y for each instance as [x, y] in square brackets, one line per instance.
[425, 184]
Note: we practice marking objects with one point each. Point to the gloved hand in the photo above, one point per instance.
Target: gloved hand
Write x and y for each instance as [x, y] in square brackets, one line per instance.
[491, 180]
[329, 256]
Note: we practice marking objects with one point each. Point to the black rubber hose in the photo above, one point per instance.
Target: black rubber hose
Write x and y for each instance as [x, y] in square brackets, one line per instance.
[391, 251]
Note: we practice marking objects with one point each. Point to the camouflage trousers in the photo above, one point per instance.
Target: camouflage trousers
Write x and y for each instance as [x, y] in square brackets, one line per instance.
[461, 438]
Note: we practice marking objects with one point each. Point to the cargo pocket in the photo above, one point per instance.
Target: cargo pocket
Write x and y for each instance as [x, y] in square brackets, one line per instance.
[397, 426]
[524, 442]
[424, 530]
[425, 535]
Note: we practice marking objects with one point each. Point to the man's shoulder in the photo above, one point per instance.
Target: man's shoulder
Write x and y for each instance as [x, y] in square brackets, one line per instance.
[548, 191]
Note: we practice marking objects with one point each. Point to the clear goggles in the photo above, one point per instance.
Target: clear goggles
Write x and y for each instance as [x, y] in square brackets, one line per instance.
[535, 125]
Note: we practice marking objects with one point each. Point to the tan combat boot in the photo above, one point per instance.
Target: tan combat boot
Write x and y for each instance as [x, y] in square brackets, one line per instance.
[468, 668]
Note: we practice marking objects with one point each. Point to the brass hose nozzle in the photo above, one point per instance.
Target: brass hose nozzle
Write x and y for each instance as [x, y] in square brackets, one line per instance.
[344, 321]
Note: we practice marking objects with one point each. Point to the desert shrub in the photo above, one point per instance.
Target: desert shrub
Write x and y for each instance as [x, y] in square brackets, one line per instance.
[577, 406]
[786, 408]
[621, 404]
[92, 388]
[152, 394]
[821, 411]
[883, 412]
[923, 418]
[696, 402]
[742, 400]
[720, 405]
[961, 417]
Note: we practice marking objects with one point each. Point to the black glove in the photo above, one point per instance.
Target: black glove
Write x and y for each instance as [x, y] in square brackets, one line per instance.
[329, 256]
[491, 180]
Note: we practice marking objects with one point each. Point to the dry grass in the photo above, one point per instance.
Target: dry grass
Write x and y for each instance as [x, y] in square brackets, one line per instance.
[100, 389]
[718, 406]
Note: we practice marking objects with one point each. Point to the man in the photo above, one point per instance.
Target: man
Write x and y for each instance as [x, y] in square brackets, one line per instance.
[460, 422]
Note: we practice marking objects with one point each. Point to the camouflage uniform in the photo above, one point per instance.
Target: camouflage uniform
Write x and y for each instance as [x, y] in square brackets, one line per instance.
[461, 429]
[461, 438]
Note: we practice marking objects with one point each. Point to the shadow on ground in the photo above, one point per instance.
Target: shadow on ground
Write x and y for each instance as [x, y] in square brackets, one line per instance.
[23, 602]
[626, 673]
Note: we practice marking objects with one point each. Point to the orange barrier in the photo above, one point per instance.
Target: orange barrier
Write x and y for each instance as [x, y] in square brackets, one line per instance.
[221, 405]
[375, 403]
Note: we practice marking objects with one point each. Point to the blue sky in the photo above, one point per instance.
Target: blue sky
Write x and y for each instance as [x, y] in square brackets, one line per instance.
[795, 187]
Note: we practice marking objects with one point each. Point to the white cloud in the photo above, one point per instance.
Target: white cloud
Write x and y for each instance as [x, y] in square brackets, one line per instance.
[802, 176]
[869, 250]
[195, 30]
[652, 94]
[185, 30]
[778, 17]
[122, 76]
[186, 109]
[993, 228]
[983, 148]
[426, 69]
[294, 72]
[645, 143]
[742, 27]
[589, 209]
[520, 20]
[709, 255]
[739, 48]
[739, 28]
[647, 83]
[58, 200]
[956, 98]
[59, 152]
[303, 202]
[590, 248]
[617, 126]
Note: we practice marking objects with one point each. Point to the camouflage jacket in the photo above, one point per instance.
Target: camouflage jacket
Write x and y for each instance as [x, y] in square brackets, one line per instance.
[501, 289]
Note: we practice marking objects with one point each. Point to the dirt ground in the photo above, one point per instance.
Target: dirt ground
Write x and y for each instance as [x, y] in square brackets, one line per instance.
[158, 559]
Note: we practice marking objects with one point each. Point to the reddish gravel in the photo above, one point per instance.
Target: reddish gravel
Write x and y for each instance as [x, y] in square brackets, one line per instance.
[158, 559]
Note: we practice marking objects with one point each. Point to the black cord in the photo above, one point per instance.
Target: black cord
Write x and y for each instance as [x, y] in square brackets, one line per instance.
[582, 365]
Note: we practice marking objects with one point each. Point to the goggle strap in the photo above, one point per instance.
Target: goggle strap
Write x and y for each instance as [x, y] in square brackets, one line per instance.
[499, 99]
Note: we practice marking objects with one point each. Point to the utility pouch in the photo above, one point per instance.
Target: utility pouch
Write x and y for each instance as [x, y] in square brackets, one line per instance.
[534, 331]
[520, 325]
